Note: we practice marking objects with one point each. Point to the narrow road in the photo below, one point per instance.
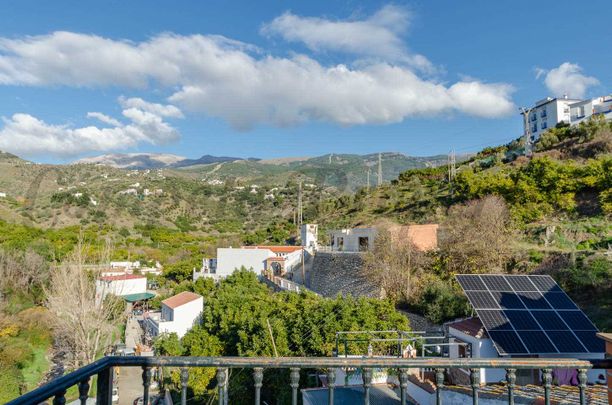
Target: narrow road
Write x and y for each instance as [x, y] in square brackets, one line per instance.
[129, 380]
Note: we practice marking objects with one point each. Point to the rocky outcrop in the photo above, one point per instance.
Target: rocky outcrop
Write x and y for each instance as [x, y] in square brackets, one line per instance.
[334, 273]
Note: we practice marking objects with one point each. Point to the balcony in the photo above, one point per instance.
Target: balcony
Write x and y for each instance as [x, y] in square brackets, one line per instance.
[440, 368]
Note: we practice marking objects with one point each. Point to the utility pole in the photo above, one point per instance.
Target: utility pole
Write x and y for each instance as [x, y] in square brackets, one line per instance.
[380, 178]
[452, 169]
[527, 136]
[300, 217]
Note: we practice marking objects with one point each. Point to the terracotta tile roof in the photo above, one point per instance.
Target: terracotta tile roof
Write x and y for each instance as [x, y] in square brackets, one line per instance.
[180, 299]
[470, 326]
[276, 249]
[121, 277]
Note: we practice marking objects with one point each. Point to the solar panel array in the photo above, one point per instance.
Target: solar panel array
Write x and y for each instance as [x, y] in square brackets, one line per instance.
[529, 315]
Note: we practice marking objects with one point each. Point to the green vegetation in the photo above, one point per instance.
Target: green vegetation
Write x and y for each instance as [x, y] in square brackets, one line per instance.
[235, 323]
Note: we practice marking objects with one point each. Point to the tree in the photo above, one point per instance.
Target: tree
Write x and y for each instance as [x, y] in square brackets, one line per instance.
[23, 273]
[84, 326]
[477, 236]
[395, 262]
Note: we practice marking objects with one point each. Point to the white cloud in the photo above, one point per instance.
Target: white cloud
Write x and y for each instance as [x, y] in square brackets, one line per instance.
[157, 109]
[377, 36]
[104, 118]
[234, 81]
[567, 79]
[26, 135]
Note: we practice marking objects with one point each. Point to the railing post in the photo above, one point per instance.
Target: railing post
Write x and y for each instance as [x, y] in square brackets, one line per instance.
[511, 379]
[221, 380]
[258, 377]
[439, 385]
[146, 383]
[366, 375]
[331, 384]
[60, 398]
[104, 394]
[84, 391]
[547, 382]
[184, 382]
[582, 381]
[475, 383]
[295, 383]
[403, 377]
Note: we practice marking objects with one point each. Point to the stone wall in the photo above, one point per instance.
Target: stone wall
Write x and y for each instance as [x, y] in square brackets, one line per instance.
[334, 273]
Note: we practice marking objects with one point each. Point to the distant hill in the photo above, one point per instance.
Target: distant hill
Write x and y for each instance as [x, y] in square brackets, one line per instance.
[208, 159]
[133, 160]
[138, 161]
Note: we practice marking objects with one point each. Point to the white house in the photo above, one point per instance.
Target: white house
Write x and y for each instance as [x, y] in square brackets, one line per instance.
[178, 314]
[125, 265]
[277, 259]
[120, 285]
[548, 112]
[2, 195]
[309, 234]
[353, 240]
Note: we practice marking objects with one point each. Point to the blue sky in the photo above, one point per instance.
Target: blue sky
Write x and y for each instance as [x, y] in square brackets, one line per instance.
[270, 79]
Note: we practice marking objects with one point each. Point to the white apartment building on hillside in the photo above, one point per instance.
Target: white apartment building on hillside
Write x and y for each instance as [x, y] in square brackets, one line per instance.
[549, 112]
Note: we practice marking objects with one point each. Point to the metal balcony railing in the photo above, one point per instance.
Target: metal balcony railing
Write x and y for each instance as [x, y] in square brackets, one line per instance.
[103, 369]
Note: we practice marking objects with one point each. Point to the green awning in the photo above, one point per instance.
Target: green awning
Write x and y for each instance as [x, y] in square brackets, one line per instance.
[138, 297]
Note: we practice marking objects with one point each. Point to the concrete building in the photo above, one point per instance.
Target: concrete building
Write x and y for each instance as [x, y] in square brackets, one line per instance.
[178, 315]
[120, 285]
[352, 240]
[549, 112]
[309, 234]
[423, 237]
[276, 259]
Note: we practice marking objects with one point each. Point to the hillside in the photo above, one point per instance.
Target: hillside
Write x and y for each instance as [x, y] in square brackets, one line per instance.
[559, 203]
[345, 172]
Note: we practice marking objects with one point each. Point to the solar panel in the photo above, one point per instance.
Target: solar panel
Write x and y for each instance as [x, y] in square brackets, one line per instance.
[549, 320]
[559, 300]
[529, 315]
[496, 283]
[522, 320]
[590, 340]
[508, 342]
[507, 300]
[536, 341]
[494, 320]
[576, 320]
[533, 300]
[521, 283]
[566, 342]
[470, 282]
[545, 283]
[481, 300]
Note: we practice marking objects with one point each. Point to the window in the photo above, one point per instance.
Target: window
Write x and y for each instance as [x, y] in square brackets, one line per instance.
[364, 243]
[534, 127]
[534, 117]
[543, 114]
[544, 125]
